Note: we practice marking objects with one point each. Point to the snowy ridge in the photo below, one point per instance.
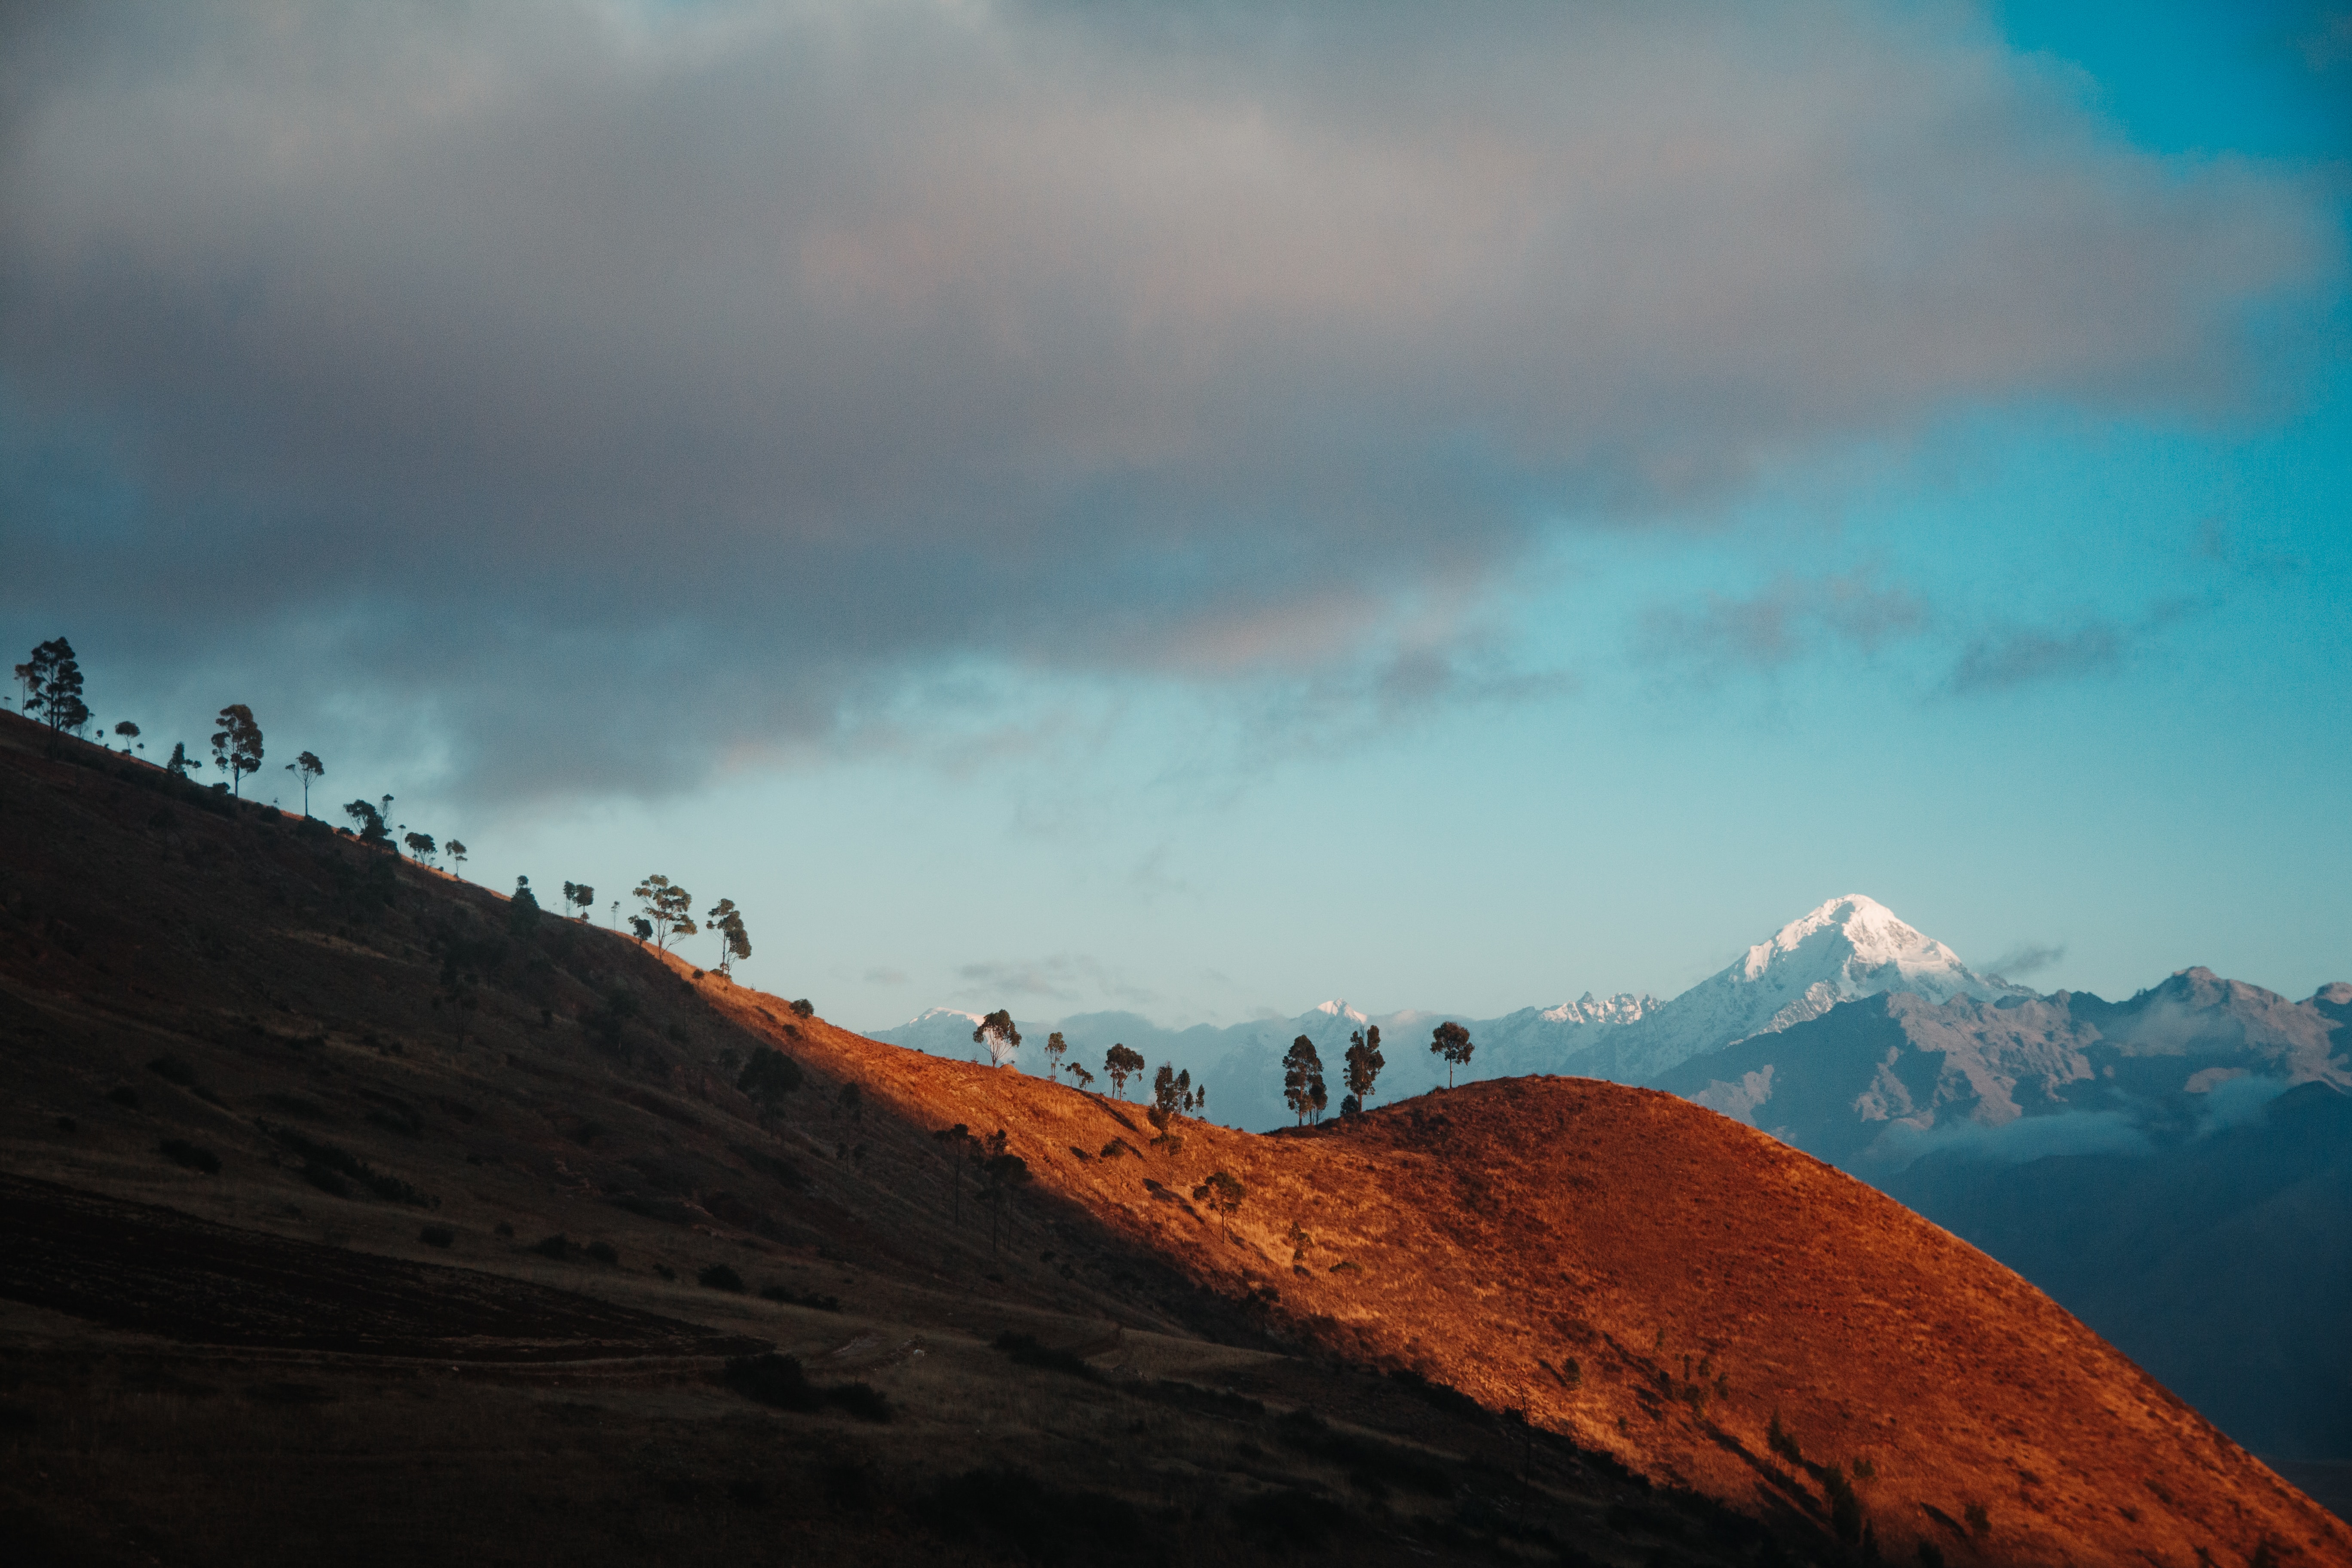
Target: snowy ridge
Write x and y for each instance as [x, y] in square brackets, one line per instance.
[1849, 947]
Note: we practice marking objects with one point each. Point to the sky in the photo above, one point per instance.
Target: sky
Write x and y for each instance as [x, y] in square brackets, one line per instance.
[1204, 509]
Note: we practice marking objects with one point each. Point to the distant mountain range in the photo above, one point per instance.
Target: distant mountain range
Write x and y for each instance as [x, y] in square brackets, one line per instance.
[1848, 948]
[2176, 1168]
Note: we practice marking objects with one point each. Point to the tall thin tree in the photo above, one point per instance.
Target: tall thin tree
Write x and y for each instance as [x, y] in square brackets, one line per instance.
[236, 744]
[1302, 1080]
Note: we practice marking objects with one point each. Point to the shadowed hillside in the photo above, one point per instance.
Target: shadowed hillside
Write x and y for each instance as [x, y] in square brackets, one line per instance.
[348, 1213]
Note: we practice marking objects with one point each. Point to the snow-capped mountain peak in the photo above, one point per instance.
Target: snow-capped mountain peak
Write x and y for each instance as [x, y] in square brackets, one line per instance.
[1849, 947]
[1337, 1008]
[1867, 933]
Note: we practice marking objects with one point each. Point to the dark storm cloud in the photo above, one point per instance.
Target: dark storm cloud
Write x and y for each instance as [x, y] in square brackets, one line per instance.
[598, 391]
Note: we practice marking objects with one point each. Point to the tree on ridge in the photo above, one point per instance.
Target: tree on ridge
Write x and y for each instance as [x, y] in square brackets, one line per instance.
[1363, 1064]
[457, 853]
[734, 943]
[1055, 1047]
[1451, 1041]
[52, 683]
[307, 767]
[1121, 1064]
[1172, 1095]
[997, 1034]
[669, 910]
[236, 744]
[421, 844]
[1302, 1080]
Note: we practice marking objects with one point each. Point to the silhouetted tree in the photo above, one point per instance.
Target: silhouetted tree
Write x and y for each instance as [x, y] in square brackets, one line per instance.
[1302, 1080]
[372, 832]
[1121, 1064]
[1363, 1066]
[236, 744]
[998, 1035]
[1451, 1041]
[956, 1143]
[52, 684]
[670, 909]
[129, 731]
[181, 761]
[769, 1075]
[617, 914]
[1172, 1097]
[421, 844]
[1079, 1076]
[1001, 1171]
[734, 941]
[1055, 1047]
[641, 927]
[457, 853]
[578, 895]
[522, 910]
[307, 767]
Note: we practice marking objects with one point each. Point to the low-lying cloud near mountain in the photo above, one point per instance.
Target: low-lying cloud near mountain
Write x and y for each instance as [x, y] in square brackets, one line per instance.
[613, 391]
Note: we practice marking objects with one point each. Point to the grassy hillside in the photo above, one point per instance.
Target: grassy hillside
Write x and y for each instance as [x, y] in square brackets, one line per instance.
[349, 1214]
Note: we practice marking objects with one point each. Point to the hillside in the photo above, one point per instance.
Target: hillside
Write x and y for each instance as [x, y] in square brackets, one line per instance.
[345, 1335]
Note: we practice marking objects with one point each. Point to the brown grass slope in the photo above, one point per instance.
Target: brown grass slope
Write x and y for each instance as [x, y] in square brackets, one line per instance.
[1650, 1280]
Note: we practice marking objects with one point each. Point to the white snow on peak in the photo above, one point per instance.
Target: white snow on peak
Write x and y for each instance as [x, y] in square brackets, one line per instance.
[1871, 932]
[1849, 947]
[1622, 1008]
[1337, 1008]
[936, 1016]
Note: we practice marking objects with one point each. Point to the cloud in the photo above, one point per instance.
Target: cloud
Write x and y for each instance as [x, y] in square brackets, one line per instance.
[2014, 1142]
[886, 977]
[2027, 655]
[1064, 978]
[2028, 958]
[586, 397]
[1791, 618]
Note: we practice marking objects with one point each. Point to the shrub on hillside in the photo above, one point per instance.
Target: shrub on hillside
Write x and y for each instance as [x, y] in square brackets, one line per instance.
[195, 1156]
[779, 1380]
[1025, 1351]
[601, 1251]
[437, 1235]
[558, 1246]
[718, 1277]
[769, 1075]
[1013, 1510]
